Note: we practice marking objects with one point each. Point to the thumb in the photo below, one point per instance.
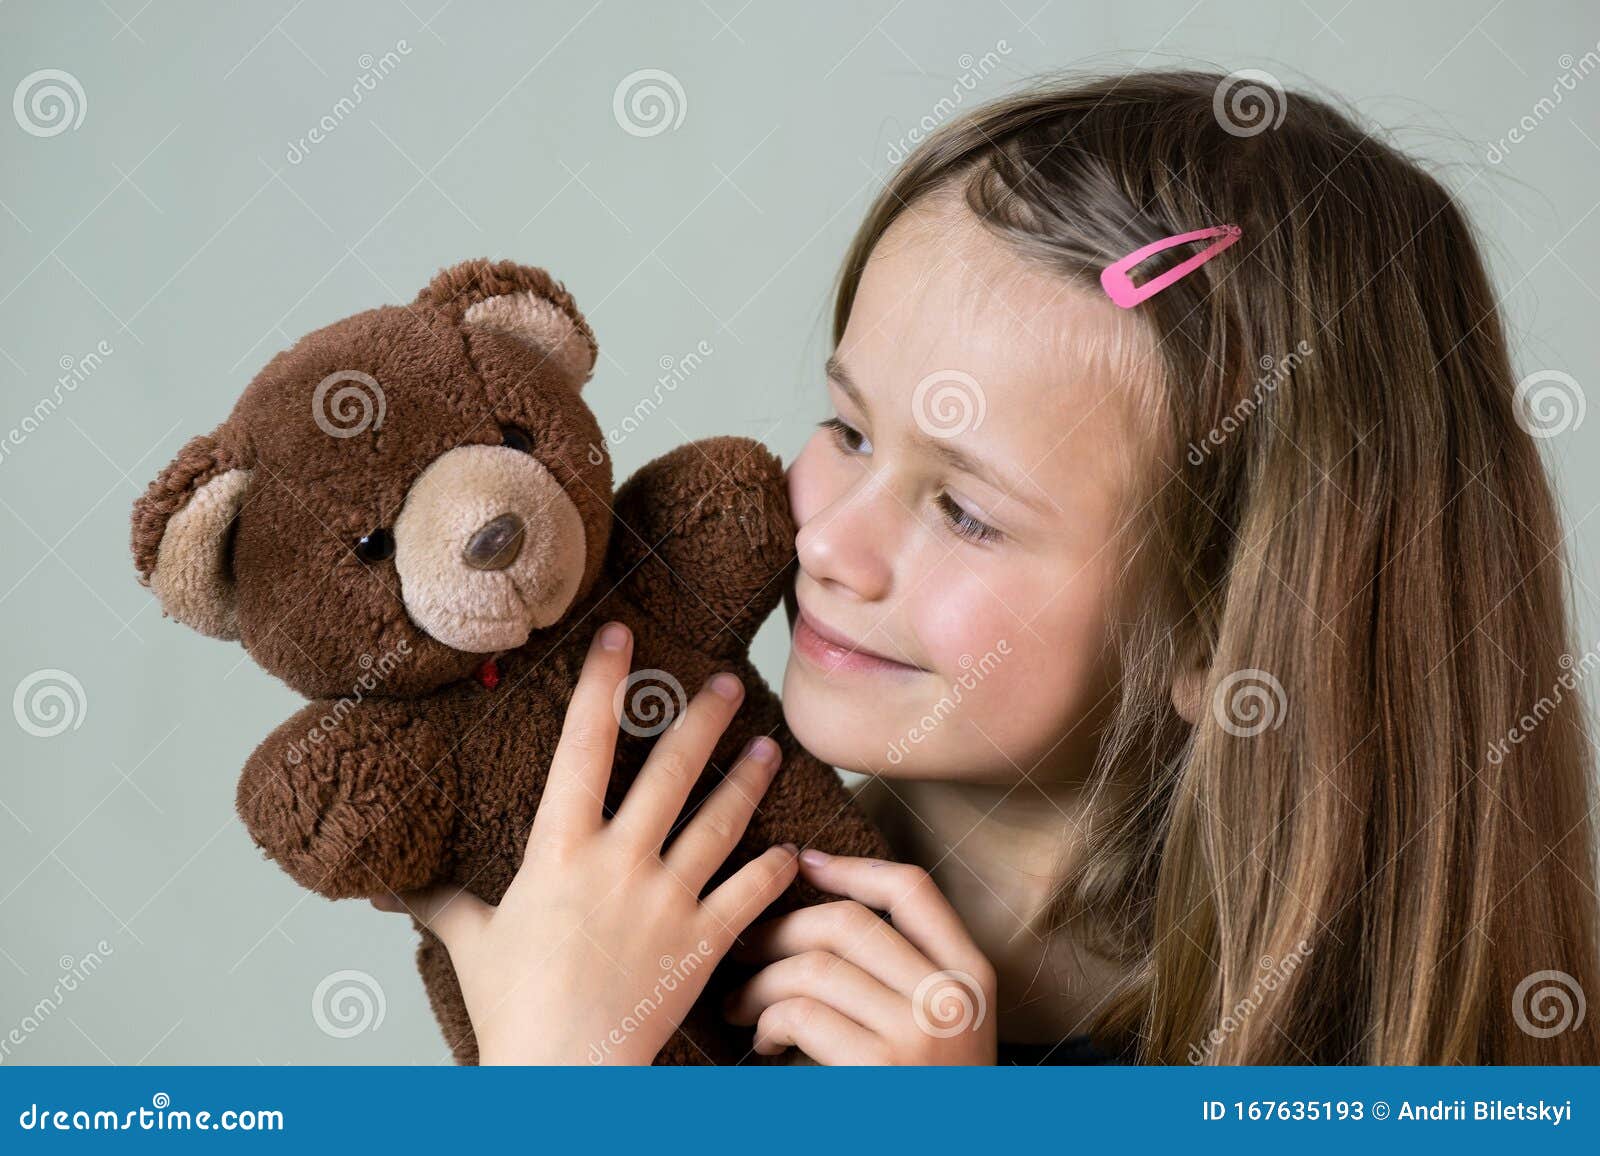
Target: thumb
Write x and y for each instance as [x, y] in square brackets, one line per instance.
[452, 913]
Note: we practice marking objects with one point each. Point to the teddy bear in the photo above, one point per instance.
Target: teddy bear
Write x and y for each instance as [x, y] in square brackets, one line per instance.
[408, 517]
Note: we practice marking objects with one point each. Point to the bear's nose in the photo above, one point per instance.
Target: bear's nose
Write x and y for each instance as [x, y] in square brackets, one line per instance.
[495, 545]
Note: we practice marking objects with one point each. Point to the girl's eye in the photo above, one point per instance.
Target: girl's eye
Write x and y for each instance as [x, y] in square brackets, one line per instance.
[964, 523]
[846, 437]
[377, 546]
[515, 437]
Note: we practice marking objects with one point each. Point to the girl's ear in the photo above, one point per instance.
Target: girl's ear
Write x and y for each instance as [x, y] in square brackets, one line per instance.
[1189, 692]
[181, 530]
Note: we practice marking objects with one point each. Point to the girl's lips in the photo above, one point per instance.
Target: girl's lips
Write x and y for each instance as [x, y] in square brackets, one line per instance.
[831, 652]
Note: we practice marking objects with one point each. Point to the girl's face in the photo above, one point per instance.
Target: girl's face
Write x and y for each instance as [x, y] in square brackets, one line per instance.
[958, 517]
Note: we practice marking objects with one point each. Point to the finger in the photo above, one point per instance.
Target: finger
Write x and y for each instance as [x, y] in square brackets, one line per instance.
[581, 767]
[826, 1035]
[676, 763]
[844, 928]
[452, 913]
[748, 892]
[908, 895]
[710, 836]
[827, 979]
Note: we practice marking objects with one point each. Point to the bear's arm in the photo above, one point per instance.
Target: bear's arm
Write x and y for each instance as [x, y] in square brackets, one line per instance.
[353, 798]
[704, 541]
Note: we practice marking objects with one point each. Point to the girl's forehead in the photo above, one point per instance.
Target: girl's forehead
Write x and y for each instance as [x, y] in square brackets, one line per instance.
[943, 293]
[952, 328]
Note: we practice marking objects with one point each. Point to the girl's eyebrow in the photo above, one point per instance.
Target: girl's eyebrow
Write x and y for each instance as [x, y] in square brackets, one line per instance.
[1020, 488]
[841, 377]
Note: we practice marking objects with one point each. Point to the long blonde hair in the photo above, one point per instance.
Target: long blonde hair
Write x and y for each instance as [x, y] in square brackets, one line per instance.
[1360, 852]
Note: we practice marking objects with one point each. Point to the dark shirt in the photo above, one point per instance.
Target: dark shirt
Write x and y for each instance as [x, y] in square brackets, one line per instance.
[1074, 1050]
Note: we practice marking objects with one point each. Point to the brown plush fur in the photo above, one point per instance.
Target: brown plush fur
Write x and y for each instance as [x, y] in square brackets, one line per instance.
[405, 769]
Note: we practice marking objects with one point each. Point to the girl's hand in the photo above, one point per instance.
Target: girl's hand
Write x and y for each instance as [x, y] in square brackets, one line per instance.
[598, 929]
[849, 988]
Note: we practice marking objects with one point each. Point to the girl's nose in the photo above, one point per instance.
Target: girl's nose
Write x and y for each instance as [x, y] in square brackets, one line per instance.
[847, 544]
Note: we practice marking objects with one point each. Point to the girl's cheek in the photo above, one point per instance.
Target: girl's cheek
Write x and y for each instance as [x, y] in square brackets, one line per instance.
[960, 609]
[810, 486]
[1013, 624]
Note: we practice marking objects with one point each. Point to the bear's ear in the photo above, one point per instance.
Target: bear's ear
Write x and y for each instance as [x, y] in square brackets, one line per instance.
[521, 301]
[181, 535]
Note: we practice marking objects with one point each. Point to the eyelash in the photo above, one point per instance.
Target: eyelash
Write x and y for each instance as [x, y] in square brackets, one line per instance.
[959, 520]
[840, 431]
[964, 523]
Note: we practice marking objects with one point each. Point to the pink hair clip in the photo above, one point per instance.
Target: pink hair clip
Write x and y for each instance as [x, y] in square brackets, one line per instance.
[1115, 279]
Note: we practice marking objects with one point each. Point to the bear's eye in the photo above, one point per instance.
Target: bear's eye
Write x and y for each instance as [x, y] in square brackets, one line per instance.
[517, 438]
[376, 546]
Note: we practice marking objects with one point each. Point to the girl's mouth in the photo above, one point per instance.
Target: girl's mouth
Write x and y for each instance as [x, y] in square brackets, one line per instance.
[830, 651]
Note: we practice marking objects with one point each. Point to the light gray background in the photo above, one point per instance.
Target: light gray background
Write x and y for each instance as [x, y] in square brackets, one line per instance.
[171, 226]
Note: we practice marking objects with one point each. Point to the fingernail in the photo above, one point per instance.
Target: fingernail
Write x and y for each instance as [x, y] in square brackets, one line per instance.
[725, 686]
[811, 857]
[613, 636]
[789, 847]
[761, 749]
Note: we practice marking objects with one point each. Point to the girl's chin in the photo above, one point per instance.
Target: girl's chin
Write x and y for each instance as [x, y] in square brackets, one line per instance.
[846, 729]
[824, 720]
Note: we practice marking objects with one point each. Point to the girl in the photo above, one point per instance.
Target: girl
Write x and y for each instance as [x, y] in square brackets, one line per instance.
[1190, 647]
